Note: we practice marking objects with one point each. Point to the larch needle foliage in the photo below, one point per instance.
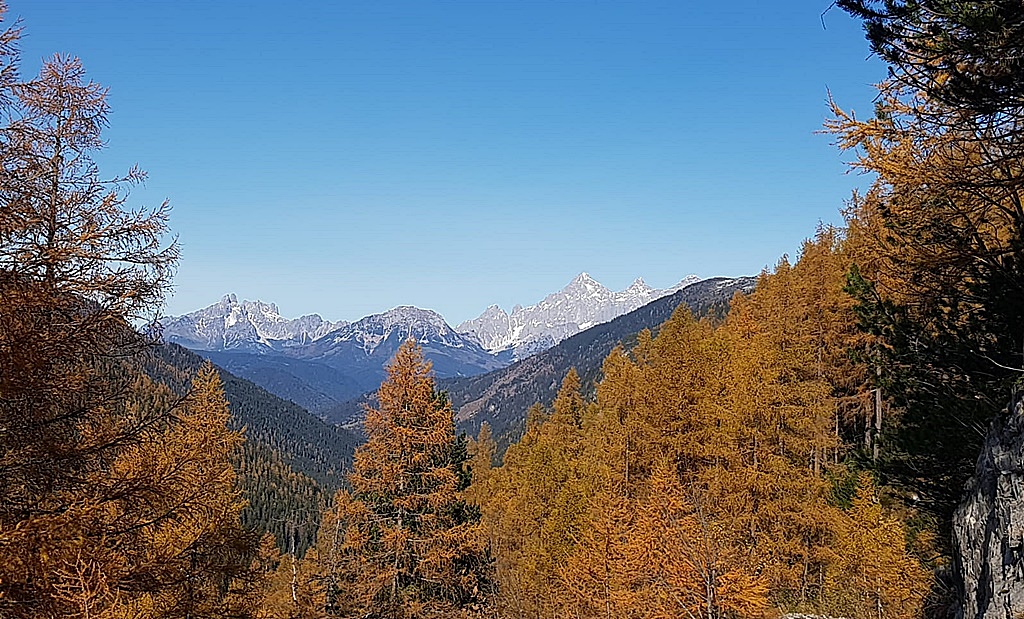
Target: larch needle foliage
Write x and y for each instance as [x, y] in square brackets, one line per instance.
[939, 273]
[118, 497]
[699, 483]
[405, 543]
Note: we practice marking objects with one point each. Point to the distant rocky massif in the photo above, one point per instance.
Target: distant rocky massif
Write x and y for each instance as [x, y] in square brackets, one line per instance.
[582, 304]
[491, 364]
[315, 363]
[251, 326]
[502, 397]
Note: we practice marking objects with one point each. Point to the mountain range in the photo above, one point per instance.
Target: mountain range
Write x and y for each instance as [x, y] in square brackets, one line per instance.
[313, 362]
[320, 364]
[293, 460]
[582, 304]
[329, 367]
[502, 397]
[252, 326]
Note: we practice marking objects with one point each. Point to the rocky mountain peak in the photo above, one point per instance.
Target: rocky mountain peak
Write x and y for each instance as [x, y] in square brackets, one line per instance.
[248, 325]
[639, 285]
[581, 304]
[584, 283]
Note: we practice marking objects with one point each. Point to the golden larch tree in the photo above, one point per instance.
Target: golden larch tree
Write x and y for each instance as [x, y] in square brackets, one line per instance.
[418, 545]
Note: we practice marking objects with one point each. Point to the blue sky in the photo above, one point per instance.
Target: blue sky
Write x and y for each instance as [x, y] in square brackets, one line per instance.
[347, 157]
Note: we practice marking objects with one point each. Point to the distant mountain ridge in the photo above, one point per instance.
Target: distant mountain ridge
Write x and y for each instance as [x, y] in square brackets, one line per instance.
[253, 326]
[502, 397]
[316, 363]
[320, 365]
[581, 304]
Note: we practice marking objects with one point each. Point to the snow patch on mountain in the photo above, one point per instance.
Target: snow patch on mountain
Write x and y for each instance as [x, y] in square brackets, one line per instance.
[581, 304]
[247, 325]
[425, 326]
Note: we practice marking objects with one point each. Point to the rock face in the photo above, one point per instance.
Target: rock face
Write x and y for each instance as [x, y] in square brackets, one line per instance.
[252, 326]
[582, 304]
[988, 527]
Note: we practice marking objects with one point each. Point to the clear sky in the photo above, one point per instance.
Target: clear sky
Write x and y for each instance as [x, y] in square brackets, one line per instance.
[346, 157]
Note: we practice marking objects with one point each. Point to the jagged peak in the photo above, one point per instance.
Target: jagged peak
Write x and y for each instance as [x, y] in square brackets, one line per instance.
[406, 321]
[639, 284]
[585, 282]
[582, 303]
[404, 315]
[408, 310]
[494, 310]
[258, 322]
[260, 305]
[686, 281]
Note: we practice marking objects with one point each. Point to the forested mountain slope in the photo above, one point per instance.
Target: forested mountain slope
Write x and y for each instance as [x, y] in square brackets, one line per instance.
[501, 398]
[292, 462]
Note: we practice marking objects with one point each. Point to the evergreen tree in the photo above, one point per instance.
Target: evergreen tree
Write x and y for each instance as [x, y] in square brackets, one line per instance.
[119, 496]
[481, 462]
[413, 546]
[967, 55]
[185, 553]
[708, 458]
[871, 577]
[940, 274]
[538, 506]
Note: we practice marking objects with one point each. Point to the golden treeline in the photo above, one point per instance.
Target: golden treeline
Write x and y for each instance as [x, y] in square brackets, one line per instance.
[715, 474]
[802, 454]
[708, 478]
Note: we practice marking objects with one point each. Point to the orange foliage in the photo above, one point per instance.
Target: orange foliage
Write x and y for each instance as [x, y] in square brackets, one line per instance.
[697, 484]
[405, 543]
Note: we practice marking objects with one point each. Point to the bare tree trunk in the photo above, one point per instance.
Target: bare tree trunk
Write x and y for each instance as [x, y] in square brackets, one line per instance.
[878, 422]
[627, 463]
[398, 554]
[835, 451]
[867, 426]
[295, 568]
[295, 582]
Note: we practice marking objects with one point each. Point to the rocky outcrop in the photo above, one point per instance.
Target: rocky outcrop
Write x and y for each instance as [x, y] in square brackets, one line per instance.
[988, 527]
